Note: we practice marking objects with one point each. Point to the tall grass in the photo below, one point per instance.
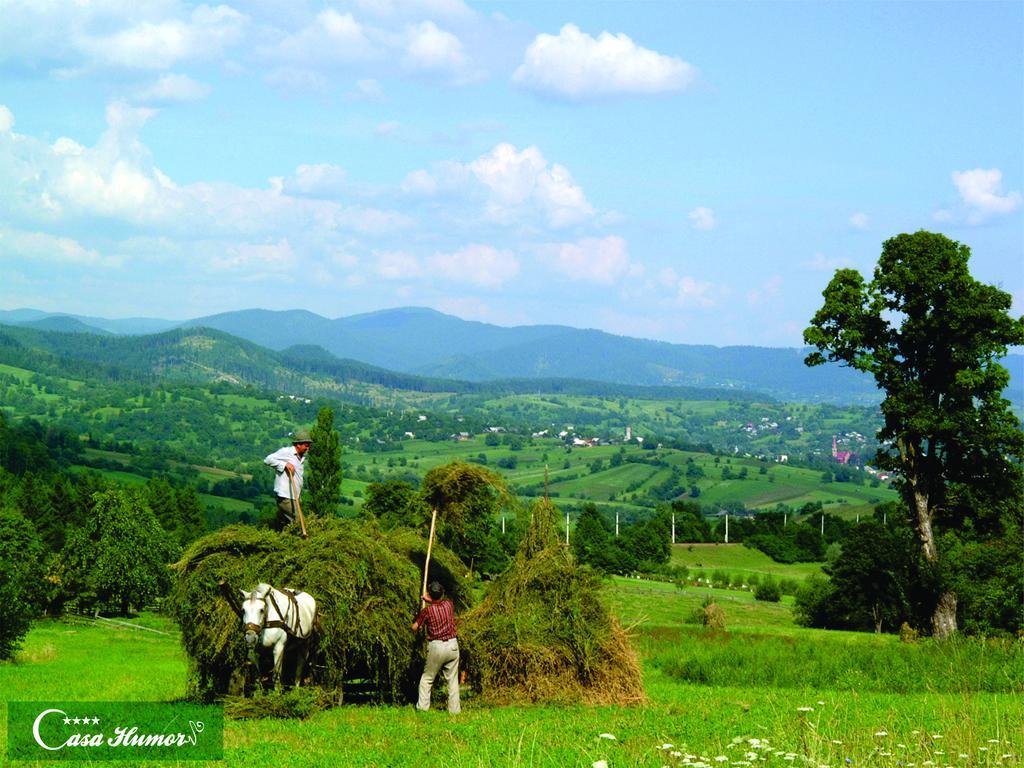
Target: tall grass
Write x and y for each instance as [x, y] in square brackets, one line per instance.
[961, 665]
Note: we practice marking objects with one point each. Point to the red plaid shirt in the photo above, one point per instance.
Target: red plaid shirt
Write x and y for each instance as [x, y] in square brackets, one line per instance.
[439, 619]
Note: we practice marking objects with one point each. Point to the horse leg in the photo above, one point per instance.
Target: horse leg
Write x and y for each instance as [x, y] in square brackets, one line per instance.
[278, 663]
[300, 662]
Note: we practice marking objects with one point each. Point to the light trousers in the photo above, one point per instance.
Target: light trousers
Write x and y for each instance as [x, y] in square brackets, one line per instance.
[441, 655]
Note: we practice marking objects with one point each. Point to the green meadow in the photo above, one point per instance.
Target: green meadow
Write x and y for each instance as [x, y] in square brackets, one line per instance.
[765, 692]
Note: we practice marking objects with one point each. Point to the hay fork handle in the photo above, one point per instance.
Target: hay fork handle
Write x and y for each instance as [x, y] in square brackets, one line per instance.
[426, 564]
[297, 508]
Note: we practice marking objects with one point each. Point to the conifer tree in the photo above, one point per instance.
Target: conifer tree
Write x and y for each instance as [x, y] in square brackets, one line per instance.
[324, 480]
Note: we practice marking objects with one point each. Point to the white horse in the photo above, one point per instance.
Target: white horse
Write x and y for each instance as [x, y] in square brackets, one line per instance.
[271, 616]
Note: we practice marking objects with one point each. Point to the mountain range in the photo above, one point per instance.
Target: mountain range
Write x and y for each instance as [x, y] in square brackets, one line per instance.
[426, 343]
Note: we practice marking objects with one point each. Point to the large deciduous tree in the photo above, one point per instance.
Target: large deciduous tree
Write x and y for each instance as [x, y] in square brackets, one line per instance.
[931, 336]
[118, 557]
[324, 481]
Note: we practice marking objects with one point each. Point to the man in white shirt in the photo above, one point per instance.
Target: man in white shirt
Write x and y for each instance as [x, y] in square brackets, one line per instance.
[288, 463]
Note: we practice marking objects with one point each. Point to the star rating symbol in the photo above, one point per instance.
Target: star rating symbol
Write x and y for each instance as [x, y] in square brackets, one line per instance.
[82, 721]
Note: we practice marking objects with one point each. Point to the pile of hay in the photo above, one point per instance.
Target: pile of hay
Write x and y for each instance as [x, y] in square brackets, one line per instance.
[543, 634]
[366, 583]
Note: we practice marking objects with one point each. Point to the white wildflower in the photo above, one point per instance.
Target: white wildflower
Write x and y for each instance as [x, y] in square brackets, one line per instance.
[600, 764]
[609, 736]
[881, 733]
[721, 759]
[805, 709]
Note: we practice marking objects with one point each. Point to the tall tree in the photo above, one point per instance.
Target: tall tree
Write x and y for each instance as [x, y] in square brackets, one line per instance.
[118, 558]
[931, 336]
[324, 480]
[20, 579]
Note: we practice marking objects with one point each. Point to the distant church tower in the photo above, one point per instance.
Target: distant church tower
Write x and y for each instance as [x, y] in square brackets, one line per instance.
[840, 457]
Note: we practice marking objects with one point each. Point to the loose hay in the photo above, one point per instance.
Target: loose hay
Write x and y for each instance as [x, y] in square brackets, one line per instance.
[543, 634]
[366, 584]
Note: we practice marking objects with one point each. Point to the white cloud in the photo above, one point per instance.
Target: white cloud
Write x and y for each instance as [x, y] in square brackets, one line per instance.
[117, 180]
[981, 192]
[396, 265]
[429, 47]
[859, 220]
[317, 180]
[521, 180]
[595, 260]
[331, 37]
[685, 290]
[693, 292]
[172, 88]
[702, 218]
[163, 43]
[481, 265]
[419, 183]
[6, 119]
[575, 65]
[44, 247]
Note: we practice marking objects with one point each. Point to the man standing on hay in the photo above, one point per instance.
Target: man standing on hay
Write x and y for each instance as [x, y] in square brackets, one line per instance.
[288, 463]
[438, 616]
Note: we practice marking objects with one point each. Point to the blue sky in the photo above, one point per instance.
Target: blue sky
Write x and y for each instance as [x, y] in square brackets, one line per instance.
[692, 172]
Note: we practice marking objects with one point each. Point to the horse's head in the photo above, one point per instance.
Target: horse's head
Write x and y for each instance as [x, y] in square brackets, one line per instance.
[254, 612]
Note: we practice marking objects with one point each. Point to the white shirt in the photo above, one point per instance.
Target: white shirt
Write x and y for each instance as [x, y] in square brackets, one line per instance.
[279, 460]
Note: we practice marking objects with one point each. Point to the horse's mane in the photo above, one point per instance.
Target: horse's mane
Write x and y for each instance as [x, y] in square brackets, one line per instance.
[261, 590]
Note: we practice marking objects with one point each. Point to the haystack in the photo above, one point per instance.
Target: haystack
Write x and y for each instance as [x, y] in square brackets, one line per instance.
[543, 633]
[366, 584]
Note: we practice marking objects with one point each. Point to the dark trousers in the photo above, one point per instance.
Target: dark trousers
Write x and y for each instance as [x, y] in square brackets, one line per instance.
[285, 513]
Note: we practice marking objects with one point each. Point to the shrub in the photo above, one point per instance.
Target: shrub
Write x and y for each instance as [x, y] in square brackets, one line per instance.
[768, 591]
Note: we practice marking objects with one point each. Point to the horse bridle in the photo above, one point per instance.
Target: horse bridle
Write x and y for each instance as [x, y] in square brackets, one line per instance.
[282, 622]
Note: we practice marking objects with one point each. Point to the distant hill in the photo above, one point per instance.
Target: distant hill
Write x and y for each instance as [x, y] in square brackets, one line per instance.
[206, 355]
[426, 343]
[131, 325]
[64, 324]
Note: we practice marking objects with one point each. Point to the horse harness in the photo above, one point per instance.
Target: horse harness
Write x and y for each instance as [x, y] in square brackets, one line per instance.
[281, 623]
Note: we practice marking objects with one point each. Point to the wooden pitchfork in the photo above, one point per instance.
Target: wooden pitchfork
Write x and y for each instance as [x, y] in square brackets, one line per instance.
[297, 508]
[426, 564]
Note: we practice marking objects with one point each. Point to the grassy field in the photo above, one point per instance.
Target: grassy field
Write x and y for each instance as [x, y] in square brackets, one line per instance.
[737, 558]
[683, 723]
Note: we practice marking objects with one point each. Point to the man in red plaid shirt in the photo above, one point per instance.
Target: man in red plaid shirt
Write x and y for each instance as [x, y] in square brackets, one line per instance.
[438, 616]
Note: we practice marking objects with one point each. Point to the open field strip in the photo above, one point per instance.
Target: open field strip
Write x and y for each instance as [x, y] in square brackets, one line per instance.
[737, 558]
[683, 724]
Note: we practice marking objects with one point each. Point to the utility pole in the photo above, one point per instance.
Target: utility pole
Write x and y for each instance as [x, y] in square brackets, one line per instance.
[726, 527]
[616, 523]
[567, 529]
[823, 525]
[673, 527]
